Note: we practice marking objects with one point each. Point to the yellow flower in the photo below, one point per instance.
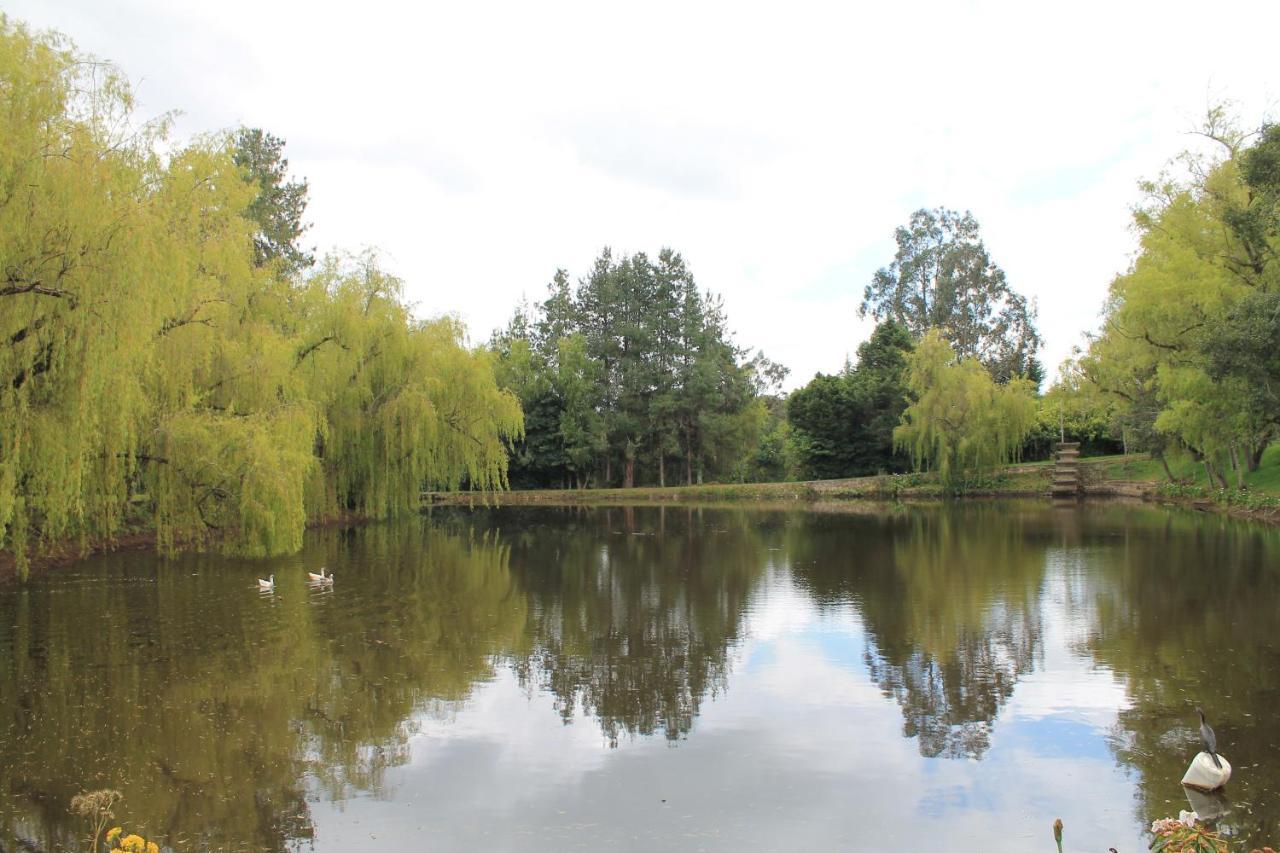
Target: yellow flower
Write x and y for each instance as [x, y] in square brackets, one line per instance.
[152, 847]
[113, 834]
[134, 844]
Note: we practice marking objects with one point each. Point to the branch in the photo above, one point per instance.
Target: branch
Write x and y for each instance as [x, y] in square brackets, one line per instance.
[1174, 347]
[313, 347]
[19, 285]
[174, 323]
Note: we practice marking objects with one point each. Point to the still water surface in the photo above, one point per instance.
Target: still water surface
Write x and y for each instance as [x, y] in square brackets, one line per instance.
[926, 678]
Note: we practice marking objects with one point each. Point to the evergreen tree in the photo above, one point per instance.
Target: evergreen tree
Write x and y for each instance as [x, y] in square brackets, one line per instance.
[642, 371]
[278, 207]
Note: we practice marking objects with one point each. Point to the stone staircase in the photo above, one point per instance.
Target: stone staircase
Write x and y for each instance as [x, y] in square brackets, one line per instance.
[1066, 470]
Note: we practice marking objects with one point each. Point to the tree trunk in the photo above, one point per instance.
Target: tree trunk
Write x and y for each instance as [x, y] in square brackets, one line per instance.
[1214, 474]
[1239, 469]
[662, 470]
[1255, 455]
[629, 465]
[608, 469]
[688, 458]
[1165, 463]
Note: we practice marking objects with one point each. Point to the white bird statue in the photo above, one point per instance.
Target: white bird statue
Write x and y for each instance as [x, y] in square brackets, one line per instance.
[267, 585]
[321, 578]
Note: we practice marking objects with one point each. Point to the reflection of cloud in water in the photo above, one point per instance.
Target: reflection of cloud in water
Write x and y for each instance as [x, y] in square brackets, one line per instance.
[763, 769]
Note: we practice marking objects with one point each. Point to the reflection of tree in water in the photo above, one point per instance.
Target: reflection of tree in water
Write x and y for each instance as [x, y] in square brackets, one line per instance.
[215, 712]
[632, 611]
[950, 598]
[1186, 612]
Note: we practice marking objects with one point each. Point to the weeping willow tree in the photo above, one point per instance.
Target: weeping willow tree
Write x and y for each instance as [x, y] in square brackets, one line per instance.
[155, 373]
[75, 226]
[961, 423]
[404, 402]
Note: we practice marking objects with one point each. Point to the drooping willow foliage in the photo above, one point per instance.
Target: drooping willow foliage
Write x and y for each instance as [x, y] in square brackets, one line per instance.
[961, 422]
[152, 374]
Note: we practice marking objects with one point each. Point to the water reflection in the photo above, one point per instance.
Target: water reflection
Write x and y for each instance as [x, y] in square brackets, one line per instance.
[632, 621]
[509, 671]
[1195, 624]
[951, 603]
[217, 713]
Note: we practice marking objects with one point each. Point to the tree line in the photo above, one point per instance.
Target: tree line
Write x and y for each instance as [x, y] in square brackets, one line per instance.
[171, 358]
[632, 377]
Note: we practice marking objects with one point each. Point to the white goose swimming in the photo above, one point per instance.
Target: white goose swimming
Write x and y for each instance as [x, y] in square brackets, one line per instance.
[267, 585]
[318, 577]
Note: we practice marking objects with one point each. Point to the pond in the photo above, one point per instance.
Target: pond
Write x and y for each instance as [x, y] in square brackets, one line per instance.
[948, 677]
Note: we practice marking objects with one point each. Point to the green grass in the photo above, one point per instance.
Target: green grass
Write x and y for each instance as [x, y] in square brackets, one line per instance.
[1267, 477]
[1187, 470]
[1030, 478]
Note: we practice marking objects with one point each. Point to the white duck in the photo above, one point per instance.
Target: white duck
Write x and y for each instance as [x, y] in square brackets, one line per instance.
[267, 585]
[318, 577]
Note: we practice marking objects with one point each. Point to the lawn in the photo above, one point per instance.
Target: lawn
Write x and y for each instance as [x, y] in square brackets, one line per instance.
[1186, 469]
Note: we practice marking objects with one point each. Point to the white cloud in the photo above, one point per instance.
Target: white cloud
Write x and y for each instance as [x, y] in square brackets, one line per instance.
[483, 146]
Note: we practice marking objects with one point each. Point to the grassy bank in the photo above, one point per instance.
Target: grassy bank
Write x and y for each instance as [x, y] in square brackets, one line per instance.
[1133, 476]
[1025, 480]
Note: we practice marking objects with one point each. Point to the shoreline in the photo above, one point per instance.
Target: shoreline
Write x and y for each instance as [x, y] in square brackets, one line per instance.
[1028, 481]
[69, 553]
[1018, 481]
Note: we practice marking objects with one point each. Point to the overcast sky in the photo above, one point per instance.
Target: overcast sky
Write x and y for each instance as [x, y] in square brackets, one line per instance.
[480, 145]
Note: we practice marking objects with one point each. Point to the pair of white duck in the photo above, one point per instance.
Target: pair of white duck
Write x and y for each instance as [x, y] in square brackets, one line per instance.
[320, 579]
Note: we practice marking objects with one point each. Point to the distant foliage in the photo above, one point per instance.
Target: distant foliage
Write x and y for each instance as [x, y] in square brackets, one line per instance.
[842, 425]
[1074, 410]
[634, 378]
[943, 278]
[961, 423]
[162, 364]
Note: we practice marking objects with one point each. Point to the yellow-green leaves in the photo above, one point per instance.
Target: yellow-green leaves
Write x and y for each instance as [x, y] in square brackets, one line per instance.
[151, 373]
[961, 422]
[1208, 255]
